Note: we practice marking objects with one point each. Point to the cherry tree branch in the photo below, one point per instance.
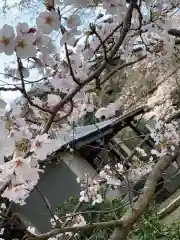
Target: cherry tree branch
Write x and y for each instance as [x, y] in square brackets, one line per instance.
[23, 89]
[93, 29]
[75, 229]
[67, 114]
[108, 37]
[96, 74]
[6, 89]
[45, 200]
[69, 65]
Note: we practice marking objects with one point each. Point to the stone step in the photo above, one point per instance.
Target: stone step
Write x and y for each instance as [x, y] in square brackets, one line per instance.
[169, 205]
[168, 211]
[172, 217]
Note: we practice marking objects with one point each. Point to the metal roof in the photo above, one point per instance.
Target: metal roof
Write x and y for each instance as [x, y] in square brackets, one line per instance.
[92, 132]
[82, 131]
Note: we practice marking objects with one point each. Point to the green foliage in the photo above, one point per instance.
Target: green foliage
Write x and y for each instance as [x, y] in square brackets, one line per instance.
[173, 231]
[148, 227]
[109, 210]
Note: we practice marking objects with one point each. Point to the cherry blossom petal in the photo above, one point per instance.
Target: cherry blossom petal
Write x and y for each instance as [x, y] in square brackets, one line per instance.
[7, 31]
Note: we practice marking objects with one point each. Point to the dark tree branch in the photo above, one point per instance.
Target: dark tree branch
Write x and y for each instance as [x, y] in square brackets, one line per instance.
[15, 89]
[70, 67]
[23, 89]
[93, 29]
[67, 114]
[108, 37]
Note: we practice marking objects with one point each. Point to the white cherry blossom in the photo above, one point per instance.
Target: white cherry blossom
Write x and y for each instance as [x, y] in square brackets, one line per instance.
[43, 146]
[6, 148]
[42, 40]
[79, 221]
[53, 99]
[73, 21]
[48, 21]
[63, 82]
[69, 37]
[25, 171]
[7, 41]
[22, 29]
[46, 59]
[25, 47]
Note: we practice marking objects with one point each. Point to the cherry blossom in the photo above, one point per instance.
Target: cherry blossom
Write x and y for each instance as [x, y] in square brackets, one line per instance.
[37, 101]
[31, 229]
[43, 146]
[6, 148]
[48, 21]
[18, 193]
[22, 29]
[91, 191]
[46, 59]
[73, 21]
[25, 171]
[63, 82]
[79, 221]
[69, 37]
[141, 152]
[25, 47]
[7, 40]
[53, 222]
[42, 40]
[3, 206]
[53, 100]
[107, 173]
[88, 53]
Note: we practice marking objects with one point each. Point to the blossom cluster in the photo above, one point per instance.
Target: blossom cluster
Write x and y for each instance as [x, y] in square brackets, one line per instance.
[166, 138]
[90, 190]
[73, 221]
[22, 171]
